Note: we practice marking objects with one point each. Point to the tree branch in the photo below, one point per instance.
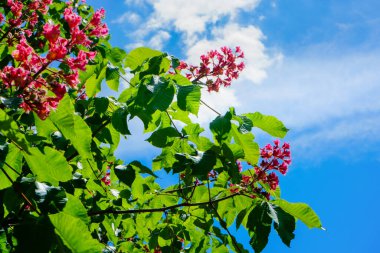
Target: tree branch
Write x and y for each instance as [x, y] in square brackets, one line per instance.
[161, 209]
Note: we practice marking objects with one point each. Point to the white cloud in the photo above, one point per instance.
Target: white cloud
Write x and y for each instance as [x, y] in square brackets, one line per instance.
[158, 40]
[135, 2]
[192, 16]
[328, 101]
[313, 90]
[127, 17]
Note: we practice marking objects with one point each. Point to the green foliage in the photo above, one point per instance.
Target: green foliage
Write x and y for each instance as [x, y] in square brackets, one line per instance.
[300, 211]
[63, 190]
[269, 124]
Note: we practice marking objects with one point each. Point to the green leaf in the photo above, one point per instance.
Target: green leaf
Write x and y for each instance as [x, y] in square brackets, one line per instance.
[165, 160]
[240, 217]
[125, 174]
[138, 188]
[127, 94]
[74, 233]
[140, 168]
[156, 65]
[50, 198]
[10, 129]
[259, 226]
[13, 102]
[163, 137]
[34, 235]
[44, 127]
[72, 126]
[116, 56]
[251, 148]
[178, 114]
[180, 80]
[188, 98]
[115, 138]
[221, 127]
[82, 144]
[300, 211]
[14, 160]
[245, 124]
[138, 56]
[163, 94]
[112, 78]
[119, 121]
[269, 124]
[50, 166]
[285, 226]
[94, 82]
[204, 162]
[101, 104]
[75, 208]
[192, 129]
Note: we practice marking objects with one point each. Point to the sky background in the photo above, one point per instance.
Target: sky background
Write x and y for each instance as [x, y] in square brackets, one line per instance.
[313, 64]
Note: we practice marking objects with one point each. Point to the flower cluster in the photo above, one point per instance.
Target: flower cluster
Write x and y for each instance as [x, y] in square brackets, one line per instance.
[40, 87]
[106, 179]
[273, 158]
[216, 68]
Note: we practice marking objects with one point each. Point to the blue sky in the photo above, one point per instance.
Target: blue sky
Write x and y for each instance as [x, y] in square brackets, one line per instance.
[313, 64]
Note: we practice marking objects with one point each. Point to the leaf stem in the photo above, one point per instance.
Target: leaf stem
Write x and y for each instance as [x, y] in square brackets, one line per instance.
[212, 109]
[172, 122]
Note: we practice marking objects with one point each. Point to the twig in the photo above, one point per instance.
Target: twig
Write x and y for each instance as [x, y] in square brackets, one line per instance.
[15, 171]
[223, 224]
[17, 146]
[19, 191]
[101, 127]
[221, 221]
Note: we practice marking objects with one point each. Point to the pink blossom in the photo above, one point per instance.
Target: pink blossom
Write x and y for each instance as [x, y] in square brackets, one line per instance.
[78, 37]
[97, 17]
[72, 19]
[23, 51]
[12, 76]
[80, 62]
[273, 181]
[219, 68]
[72, 79]
[101, 31]
[16, 7]
[51, 32]
[58, 50]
